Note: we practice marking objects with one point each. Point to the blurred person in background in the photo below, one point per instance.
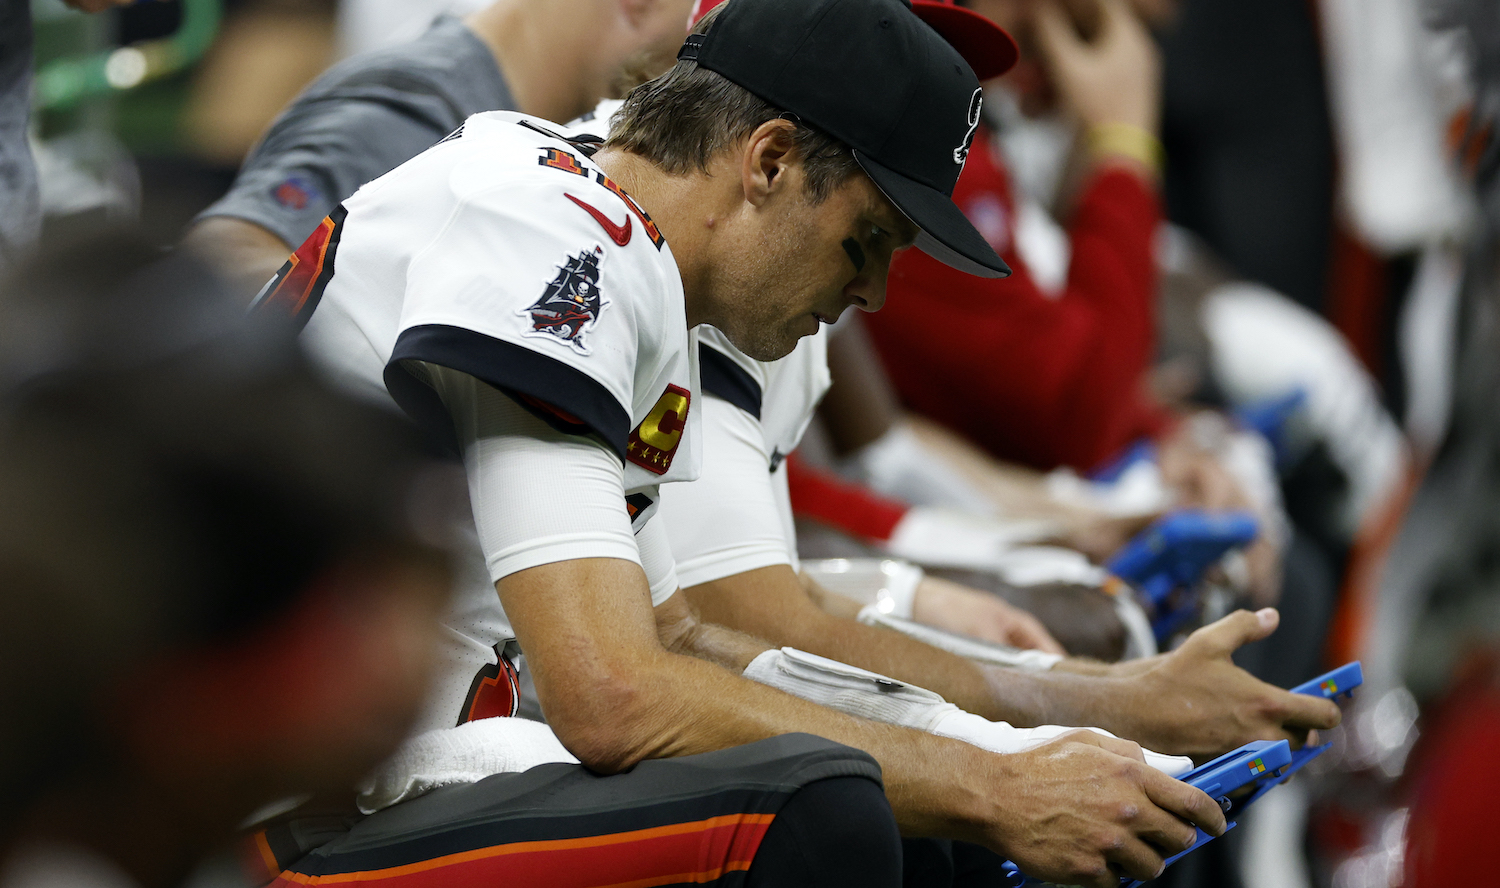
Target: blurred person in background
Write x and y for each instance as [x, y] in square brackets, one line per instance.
[1049, 380]
[553, 59]
[216, 590]
[1435, 631]
[365, 25]
[1049, 368]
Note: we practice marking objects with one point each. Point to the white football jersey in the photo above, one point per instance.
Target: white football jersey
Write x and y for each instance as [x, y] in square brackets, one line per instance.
[738, 515]
[504, 253]
[782, 395]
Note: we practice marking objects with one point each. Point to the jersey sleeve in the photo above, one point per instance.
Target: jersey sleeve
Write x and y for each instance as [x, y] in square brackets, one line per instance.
[727, 373]
[726, 522]
[539, 496]
[526, 289]
[657, 560]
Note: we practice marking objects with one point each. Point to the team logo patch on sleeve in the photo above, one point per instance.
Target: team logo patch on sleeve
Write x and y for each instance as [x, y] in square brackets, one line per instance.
[571, 303]
[654, 442]
[295, 193]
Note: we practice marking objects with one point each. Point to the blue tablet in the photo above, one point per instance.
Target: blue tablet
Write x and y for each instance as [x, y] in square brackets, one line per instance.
[1236, 780]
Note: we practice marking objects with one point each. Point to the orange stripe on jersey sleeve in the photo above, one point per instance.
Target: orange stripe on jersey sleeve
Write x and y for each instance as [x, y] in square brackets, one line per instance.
[635, 859]
[299, 284]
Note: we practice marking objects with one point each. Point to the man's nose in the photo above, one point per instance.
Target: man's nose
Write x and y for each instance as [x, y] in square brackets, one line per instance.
[867, 291]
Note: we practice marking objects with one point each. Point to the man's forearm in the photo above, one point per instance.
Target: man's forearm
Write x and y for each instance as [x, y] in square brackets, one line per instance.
[765, 603]
[616, 694]
[923, 773]
[682, 632]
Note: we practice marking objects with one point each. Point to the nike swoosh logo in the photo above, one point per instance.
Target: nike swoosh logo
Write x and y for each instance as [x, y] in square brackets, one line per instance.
[620, 234]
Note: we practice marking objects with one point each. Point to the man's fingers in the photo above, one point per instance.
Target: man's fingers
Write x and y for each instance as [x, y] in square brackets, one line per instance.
[1054, 31]
[1186, 801]
[1304, 712]
[1171, 836]
[1135, 859]
[1127, 748]
[1118, 16]
[1232, 632]
[1030, 633]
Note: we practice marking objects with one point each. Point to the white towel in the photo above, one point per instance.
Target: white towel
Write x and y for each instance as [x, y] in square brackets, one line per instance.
[465, 754]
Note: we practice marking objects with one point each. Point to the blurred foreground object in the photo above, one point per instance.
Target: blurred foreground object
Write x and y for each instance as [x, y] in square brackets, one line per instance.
[1422, 752]
[216, 590]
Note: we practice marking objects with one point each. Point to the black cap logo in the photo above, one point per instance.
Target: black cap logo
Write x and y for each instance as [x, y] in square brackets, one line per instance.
[961, 153]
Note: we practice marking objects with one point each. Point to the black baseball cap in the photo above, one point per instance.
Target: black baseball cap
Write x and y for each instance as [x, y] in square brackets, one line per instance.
[873, 75]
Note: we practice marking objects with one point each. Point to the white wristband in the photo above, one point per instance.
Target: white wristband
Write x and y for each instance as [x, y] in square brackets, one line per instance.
[869, 695]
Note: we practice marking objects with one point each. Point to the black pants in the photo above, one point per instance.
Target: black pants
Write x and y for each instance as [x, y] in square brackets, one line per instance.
[789, 811]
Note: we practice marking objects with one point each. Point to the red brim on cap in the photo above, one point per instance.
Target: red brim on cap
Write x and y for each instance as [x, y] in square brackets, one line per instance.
[983, 44]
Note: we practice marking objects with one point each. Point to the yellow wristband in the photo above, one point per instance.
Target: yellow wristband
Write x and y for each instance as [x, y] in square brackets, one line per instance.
[1125, 140]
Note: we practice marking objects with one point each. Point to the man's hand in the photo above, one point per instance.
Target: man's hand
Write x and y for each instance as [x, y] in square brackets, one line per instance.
[1199, 479]
[966, 611]
[1113, 78]
[1124, 820]
[1194, 701]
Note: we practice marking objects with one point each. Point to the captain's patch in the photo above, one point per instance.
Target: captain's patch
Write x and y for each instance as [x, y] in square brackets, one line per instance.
[654, 442]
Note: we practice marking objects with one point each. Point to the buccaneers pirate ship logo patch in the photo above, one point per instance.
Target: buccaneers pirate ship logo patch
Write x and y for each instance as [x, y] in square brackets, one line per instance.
[571, 303]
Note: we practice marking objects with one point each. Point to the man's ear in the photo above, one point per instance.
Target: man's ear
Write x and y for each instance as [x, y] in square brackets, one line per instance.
[769, 154]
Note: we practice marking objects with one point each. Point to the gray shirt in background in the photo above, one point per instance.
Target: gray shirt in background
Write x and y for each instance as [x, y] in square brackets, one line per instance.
[362, 118]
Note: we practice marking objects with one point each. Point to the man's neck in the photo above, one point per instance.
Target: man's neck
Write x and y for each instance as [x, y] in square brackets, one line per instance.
[550, 62]
[685, 211]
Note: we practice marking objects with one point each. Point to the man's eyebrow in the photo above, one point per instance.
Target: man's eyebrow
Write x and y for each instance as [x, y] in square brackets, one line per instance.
[890, 218]
[906, 233]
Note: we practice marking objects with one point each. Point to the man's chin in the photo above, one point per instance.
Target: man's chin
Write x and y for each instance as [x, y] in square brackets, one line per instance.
[758, 346]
